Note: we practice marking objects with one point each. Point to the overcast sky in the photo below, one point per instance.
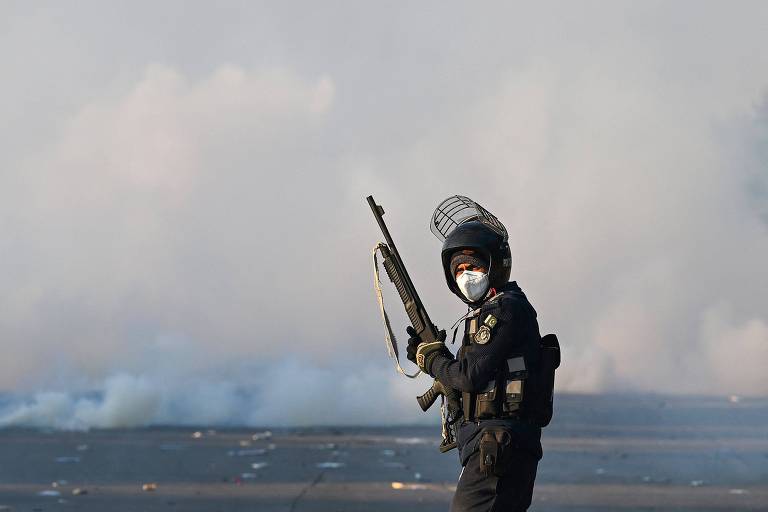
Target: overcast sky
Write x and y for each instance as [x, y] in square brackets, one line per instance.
[182, 196]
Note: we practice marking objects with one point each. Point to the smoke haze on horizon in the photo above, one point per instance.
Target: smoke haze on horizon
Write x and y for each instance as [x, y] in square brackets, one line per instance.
[185, 230]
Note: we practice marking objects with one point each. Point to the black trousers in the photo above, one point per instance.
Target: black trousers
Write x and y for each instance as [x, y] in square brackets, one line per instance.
[511, 492]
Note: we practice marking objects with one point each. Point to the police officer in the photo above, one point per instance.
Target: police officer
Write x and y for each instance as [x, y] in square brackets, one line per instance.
[496, 369]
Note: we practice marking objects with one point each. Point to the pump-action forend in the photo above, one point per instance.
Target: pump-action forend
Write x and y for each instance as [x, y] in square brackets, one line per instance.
[395, 268]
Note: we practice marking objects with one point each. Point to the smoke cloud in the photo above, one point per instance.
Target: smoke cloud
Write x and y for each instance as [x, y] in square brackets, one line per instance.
[185, 237]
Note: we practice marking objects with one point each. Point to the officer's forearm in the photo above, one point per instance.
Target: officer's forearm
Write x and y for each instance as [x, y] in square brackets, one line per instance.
[450, 373]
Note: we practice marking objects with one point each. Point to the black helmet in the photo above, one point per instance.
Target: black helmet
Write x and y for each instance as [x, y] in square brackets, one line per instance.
[463, 224]
[488, 244]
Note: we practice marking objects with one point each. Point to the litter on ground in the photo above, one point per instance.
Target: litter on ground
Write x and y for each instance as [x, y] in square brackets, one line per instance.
[246, 453]
[412, 440]
[67, 460]
[408, 487]
[261, 435]
[330, 465]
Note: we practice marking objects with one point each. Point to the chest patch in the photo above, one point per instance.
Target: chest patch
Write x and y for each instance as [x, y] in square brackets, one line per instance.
[483, 335]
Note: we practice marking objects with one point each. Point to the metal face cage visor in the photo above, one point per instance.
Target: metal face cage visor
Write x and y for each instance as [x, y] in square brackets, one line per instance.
[459, 209]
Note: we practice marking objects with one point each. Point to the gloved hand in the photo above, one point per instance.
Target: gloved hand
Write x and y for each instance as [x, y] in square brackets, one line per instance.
[413, 343]
[422, 354]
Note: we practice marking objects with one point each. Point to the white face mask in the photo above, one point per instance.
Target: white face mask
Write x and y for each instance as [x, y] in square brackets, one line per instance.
[473, 284]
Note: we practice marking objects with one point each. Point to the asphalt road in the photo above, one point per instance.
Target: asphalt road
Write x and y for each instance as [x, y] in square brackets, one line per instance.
[600, 454]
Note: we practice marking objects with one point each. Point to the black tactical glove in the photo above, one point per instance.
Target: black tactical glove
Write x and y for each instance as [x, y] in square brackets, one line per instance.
[413, 343]
[422, 354]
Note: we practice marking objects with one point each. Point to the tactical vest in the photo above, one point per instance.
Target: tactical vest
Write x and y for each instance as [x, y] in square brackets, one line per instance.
[521, 389]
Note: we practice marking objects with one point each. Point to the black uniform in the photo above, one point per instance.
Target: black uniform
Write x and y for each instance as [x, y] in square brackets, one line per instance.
[497, 401]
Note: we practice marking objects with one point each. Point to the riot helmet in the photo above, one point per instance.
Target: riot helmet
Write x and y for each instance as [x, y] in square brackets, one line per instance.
[462, 224]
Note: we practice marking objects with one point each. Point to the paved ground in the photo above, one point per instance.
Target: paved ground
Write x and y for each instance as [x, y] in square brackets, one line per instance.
[601, 454]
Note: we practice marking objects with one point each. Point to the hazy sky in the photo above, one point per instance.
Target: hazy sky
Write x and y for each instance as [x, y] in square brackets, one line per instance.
[182, 196]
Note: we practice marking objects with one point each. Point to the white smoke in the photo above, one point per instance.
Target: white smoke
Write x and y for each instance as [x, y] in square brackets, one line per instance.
[127, 402]
[289, 394]
[188, 242]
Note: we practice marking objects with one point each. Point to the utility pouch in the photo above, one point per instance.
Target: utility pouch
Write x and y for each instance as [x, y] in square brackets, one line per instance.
[550, 360]
[516, 375]
[487, 404]
[495, 450]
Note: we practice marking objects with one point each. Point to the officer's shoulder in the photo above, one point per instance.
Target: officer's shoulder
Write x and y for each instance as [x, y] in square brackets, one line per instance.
[507, 305]
[506, 300]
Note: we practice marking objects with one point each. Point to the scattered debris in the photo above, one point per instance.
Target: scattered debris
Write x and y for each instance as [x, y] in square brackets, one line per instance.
[49, 492]
[412, 440]
[738, 491]
[259, 465]
[697, 483]
[171, 447]
[388, 453]
[149, 487]
[197, 435]
[261, 435]
[58, 483]
[330, 465]
[246, 453]
[68, 460]
[410, 487]
[652, 480]
[77, 491]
